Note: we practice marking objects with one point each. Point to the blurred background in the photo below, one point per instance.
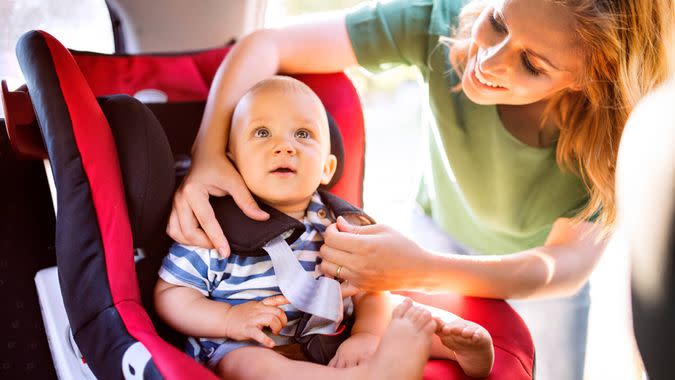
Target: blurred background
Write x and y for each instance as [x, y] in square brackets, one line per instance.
[392, 111]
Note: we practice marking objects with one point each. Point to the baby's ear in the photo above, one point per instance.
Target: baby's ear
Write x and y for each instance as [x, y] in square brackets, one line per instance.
[329, 168]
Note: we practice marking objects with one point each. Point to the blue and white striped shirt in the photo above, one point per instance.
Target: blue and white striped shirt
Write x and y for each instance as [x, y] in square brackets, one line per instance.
[238, 279]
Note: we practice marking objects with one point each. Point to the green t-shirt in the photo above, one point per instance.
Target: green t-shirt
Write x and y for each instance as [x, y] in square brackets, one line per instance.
[490, 191]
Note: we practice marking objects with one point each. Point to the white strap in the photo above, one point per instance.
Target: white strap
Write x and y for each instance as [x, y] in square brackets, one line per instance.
[320, 297]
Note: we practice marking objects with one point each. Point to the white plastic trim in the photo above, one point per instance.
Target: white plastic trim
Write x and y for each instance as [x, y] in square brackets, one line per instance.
[67, 360]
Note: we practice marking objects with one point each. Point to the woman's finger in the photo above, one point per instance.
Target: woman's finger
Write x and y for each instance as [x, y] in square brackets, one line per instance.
[345, 241]
[330, 269]
[343, 225]
[242, 197]
[189, 225]
[173, 228]
[198, 201]
[336, 256]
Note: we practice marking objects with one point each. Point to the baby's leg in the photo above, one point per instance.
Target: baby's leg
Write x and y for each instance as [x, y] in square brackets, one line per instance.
[402, 354]
[468, 343]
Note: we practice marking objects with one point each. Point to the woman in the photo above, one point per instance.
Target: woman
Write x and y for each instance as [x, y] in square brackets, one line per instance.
[527, 100]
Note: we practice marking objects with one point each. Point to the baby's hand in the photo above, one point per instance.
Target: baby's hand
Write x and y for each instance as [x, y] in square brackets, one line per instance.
[247, 320]
[355, 350]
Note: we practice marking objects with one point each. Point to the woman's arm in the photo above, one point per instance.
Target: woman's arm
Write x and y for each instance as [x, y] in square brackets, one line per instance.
[379, 258]
[321, 45]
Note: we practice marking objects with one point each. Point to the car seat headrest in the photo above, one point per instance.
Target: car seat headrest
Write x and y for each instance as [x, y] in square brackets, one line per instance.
[139, 136]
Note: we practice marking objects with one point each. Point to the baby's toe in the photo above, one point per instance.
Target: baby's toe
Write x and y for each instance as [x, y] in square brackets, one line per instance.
[401, 309]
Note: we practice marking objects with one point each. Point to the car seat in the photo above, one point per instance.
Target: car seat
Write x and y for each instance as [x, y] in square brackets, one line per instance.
[104, 326]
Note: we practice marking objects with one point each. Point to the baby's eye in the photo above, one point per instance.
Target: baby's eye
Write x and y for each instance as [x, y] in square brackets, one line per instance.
[302, 134]
[262, 132]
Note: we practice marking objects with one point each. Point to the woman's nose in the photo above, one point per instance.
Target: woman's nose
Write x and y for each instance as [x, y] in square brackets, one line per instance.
[494, 60]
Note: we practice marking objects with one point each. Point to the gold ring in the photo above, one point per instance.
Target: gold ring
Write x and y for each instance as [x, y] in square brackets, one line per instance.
[337, 272]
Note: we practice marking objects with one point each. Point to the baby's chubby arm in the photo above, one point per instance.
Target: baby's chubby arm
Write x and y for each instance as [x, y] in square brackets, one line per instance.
[190, 312]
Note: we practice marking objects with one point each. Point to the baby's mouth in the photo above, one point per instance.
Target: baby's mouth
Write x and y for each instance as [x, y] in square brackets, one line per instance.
[283, 170]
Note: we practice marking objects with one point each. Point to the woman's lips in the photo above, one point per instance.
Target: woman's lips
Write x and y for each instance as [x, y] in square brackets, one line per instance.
[480, 81]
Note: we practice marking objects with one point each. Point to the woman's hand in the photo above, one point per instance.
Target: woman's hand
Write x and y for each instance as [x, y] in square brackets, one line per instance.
[374, 258]
[192, 221]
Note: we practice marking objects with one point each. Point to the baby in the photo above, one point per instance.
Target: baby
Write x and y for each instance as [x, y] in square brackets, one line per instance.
[247, 303]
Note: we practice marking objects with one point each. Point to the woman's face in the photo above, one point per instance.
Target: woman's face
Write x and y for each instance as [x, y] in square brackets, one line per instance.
[522, 51]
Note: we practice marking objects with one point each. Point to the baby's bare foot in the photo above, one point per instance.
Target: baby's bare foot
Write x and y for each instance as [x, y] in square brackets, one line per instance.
[404, 348]
[472, 345]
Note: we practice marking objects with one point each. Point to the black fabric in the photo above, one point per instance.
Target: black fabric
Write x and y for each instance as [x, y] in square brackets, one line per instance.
[337, 149]
[148, 183]
[150, 372]
[110, 344]
[320, 348]
[180, 122]
[26, 246]
[247, 236]
[80, 254]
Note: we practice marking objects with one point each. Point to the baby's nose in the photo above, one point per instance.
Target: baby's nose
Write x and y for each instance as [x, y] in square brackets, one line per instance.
[284, 148]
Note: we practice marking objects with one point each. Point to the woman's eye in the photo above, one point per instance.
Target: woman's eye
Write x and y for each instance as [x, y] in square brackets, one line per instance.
[262, 132]
[302, 134]
[529, 67]
[496, 25]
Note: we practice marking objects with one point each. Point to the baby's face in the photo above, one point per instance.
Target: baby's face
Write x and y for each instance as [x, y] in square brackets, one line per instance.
[280, 144]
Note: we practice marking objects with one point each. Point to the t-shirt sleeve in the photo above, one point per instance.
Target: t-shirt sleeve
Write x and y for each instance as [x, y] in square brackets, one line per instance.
[188, 266]
[386, 34]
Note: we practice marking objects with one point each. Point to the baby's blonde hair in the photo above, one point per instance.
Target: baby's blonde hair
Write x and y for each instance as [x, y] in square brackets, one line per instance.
[625, 46]
[283, 83]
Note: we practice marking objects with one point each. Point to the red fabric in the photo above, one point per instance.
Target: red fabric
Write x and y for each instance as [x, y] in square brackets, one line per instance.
[22, 129]
[208, 61]
[514, 350]
[178, 76]
[100, 163]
